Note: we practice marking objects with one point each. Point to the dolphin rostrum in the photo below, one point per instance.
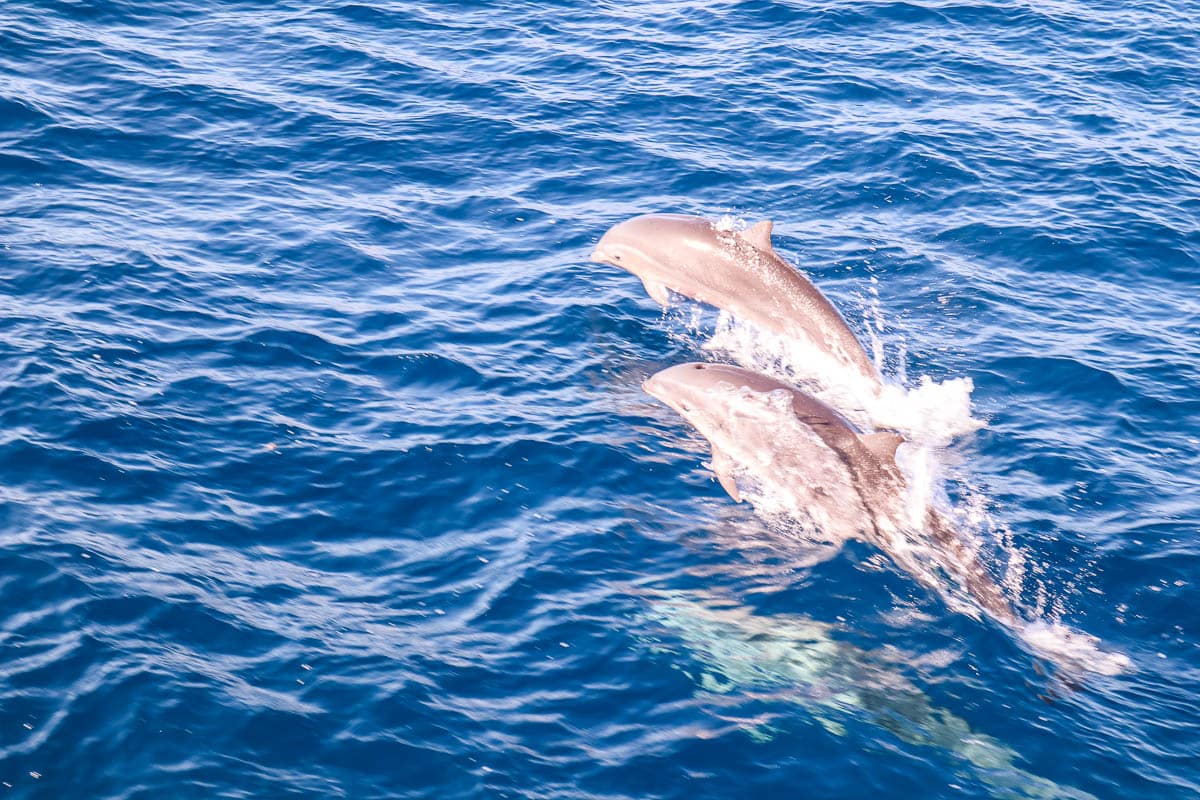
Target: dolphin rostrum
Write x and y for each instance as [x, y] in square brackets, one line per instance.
[737, 271]
[807, 461]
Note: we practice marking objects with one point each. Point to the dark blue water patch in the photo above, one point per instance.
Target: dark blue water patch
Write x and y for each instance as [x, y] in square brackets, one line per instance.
[20, 115]
[55, 467]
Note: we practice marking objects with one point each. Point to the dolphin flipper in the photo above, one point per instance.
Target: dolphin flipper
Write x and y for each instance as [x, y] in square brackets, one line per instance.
[722, 465]
[657, 291]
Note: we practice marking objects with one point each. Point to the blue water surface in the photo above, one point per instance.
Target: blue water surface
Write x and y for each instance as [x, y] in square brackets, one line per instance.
[325, 469]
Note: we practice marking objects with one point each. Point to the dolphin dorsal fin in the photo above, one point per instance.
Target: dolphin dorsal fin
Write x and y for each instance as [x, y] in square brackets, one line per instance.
[759, 234]
[883, 444]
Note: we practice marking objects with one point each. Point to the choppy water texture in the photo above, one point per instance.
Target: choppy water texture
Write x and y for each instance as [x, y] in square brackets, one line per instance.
[325, 470]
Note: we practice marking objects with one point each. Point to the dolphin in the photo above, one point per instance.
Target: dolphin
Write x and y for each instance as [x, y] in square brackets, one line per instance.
[737, 271]
[797, 659]
[807, 461]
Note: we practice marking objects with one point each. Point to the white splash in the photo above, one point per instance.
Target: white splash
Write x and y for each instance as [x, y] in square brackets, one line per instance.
[931, 413]
[1074, 651]
[730, 223]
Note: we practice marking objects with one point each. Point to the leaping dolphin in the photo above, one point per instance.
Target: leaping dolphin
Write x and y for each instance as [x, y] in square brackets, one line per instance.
[737, 271]
[800, 452]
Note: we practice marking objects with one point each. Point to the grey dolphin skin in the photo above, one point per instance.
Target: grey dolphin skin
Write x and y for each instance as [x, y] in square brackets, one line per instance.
[737, 271]
[800, 660]
[792, 445]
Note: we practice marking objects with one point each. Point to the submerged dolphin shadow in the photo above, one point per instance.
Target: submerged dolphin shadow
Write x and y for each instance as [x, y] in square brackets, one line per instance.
[800, 660]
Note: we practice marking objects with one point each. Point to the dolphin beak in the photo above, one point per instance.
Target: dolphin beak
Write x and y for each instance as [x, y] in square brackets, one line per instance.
[650, 385]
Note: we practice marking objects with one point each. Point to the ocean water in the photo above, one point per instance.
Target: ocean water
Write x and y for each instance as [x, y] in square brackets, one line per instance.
[325, 468]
